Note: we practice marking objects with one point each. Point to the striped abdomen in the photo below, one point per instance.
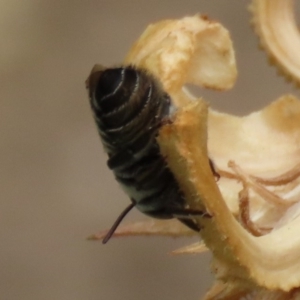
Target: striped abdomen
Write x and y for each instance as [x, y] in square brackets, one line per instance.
[129, 107]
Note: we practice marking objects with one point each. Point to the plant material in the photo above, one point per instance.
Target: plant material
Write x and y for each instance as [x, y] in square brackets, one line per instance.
[253, 233]
[155, 227]
[275, 24]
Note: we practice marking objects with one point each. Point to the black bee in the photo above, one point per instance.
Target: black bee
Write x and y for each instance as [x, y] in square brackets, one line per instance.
[129, 107]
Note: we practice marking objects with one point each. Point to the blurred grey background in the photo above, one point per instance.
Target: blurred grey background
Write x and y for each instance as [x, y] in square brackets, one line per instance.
[55, 187]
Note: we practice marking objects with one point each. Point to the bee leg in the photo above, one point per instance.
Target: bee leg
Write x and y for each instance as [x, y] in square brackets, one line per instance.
[213, 169]
[117, 223]
[186, 217]
[190, 224]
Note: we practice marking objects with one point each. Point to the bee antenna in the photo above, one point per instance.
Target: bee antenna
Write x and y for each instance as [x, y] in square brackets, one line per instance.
[117, 223]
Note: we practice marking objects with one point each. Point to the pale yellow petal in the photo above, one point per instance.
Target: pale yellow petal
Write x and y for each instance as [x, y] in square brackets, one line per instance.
[196, 248]
[190, 50]
[268, 260]
[275, 24]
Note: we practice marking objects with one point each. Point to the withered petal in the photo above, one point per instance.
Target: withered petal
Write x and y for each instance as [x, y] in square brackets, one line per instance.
[192, 50]
[196, 248]
[265, 145]
[274, 23]
[268, 260]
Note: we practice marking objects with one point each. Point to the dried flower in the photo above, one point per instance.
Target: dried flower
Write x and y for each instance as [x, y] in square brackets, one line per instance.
[254, 230]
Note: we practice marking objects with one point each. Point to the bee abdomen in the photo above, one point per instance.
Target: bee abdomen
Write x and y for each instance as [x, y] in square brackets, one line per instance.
[126, 103]
[129, 107]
